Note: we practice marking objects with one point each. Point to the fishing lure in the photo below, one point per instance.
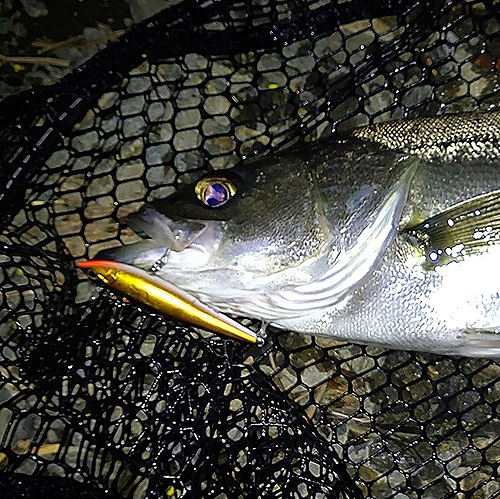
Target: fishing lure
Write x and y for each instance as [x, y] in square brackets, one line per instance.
[166, 298]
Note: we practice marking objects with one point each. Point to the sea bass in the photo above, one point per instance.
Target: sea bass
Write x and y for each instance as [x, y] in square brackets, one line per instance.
[387, 236]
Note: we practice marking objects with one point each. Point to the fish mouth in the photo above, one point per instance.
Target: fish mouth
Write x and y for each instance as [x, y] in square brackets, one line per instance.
[183, 243]
[193, 245]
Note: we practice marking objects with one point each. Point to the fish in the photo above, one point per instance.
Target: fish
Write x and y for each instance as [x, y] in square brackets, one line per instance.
[387, 235]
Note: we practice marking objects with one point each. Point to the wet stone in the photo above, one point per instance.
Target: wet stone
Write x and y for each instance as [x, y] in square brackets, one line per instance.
[375, 468]
[242, 76]
[189, 118]
[58, 159]
[331, 390]
[100, 186]
[68, 224]
[222, 68]
[160, 111]
[358, 365]
[300, 65]
[349, 106]
[487, 376]
[162, 93]
[269, 62]
[81, 163]
[476, 417]
[108, 100]
[132, 148]
[85, 142]
[220, 145]
[417, 95]
[419, 391]
[195, 61]
[384, 25]
[189, 98]
[29, 304]
[216, 125]
[187, 139]
[482, 86]
[129, 170]
[441, 370]
[254, 147]
[170, 72]
[76, 245]
[7, 329]
[379, 101]
[216, 86]
[285, 379]
[133, 105]
[461, 465]
[272, 80]
[300, 86]
[110, 143]
[141, 69]
[109, 125]
[105, 228]
[191, 160]
[315, 374]
[17, 276]
[243, 92]
[360, 452]
[195, 79]
[130, 191]
[492, 453]
[132, 127]
[244, 132]
[216, 105]
[328, 45]
[87, 122]
[452, 446]
[224, 162]
[299, 48]
[486, 435]
[462, 52]
[491, 26]
[139, 85]
[148, 346]
[354, 44]
[160, 133]
[158, 155]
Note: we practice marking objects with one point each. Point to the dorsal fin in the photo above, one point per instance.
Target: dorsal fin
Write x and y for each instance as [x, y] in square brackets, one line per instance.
[467, 228]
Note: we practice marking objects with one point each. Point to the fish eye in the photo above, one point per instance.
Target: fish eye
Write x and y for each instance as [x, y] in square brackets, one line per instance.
[215, 191]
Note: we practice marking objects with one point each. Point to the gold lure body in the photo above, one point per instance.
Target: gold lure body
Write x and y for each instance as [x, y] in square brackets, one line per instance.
[166, 298]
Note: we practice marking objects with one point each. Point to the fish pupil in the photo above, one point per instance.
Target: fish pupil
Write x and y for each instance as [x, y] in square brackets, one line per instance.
[216, 195]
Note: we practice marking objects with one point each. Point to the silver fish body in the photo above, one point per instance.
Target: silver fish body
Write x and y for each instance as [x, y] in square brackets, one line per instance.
[390, 236]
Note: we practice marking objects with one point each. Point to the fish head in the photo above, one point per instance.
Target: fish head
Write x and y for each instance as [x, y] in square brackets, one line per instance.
[239, 225]
[268, 225]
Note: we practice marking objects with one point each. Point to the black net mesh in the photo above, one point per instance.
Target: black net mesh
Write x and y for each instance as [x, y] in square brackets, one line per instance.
[99, 394]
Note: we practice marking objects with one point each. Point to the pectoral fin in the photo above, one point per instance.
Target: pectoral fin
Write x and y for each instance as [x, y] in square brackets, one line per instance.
[465, 229]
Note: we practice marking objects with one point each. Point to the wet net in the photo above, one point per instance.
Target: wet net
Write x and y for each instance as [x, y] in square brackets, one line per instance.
[100, 396]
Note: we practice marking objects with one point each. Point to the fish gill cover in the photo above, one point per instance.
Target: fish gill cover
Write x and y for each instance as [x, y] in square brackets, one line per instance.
[98, 395]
